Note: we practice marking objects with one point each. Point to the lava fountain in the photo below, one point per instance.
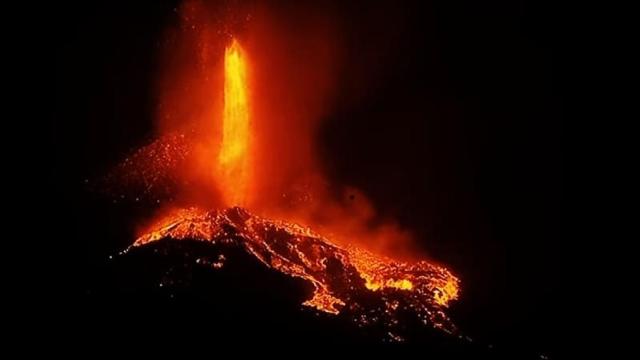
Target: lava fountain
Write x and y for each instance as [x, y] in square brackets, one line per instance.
[233, 158]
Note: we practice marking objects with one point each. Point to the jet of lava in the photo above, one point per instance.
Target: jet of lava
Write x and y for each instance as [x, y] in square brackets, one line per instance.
[234, 150]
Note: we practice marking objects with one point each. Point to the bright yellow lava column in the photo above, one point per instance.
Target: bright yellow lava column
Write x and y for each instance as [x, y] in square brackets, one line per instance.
[233, 155]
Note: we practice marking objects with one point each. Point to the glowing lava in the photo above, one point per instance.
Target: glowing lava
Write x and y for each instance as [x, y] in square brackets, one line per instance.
[370, 288]
[234, 149]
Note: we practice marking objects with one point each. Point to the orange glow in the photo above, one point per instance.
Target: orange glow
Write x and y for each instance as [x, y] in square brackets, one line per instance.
[234, 150]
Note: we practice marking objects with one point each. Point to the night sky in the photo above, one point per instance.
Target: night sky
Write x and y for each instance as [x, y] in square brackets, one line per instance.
[450, 119]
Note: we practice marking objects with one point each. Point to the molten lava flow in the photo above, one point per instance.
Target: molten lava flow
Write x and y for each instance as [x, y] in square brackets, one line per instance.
[369, 287]
[234, 150]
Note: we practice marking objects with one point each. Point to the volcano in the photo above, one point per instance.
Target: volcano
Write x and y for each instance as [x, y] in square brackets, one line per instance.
[192, 290]
[343, 277]
[307, 170]
[252, 187]
[370, 289]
